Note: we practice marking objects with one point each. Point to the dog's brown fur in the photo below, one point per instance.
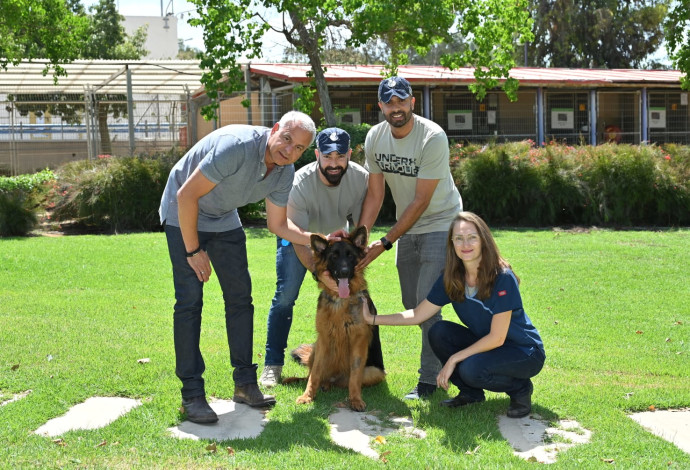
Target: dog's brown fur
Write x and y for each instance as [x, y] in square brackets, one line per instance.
[340, 355]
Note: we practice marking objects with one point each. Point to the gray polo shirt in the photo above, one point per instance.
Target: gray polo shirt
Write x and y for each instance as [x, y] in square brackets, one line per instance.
[232, 157]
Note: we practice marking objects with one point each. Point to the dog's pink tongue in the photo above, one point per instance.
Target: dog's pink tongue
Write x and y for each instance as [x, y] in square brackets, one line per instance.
[343, 288]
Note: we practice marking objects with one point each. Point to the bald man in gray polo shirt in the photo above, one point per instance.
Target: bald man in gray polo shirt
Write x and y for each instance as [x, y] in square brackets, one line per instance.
[229, 168]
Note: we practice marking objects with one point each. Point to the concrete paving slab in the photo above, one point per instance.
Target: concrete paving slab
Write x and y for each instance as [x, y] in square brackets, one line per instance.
[94, 413]
[534, 440]
[16, 397]
[672, 425]
[235, 421]
[354, 430]
[531, 437]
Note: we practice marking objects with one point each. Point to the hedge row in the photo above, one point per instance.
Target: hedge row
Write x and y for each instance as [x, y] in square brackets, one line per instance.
[607, 185]
[515, 184]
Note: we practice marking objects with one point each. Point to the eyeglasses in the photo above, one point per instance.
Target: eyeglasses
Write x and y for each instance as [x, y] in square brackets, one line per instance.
[469, 239]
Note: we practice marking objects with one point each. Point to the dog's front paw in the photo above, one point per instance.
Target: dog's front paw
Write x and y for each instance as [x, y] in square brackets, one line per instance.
[357, 404]
[304, 399]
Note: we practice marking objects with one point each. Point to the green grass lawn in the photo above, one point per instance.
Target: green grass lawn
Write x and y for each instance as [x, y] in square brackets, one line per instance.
[77, 312]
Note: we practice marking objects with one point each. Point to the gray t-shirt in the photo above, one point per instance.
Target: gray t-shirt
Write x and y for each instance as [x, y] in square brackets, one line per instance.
[316, 207]
[424, 154]
[232, 157]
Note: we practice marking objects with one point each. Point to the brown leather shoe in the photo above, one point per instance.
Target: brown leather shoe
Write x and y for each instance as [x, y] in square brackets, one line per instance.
[250, 394]
[198, 410]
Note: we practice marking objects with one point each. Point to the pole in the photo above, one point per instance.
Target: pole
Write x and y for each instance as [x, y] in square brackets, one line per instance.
[130, 111]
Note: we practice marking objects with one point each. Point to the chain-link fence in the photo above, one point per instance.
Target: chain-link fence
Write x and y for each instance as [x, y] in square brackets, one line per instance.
[39, 130]
[571, 117]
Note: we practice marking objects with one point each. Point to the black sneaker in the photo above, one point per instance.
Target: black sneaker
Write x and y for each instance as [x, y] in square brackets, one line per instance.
[198, 410]
[422, 391]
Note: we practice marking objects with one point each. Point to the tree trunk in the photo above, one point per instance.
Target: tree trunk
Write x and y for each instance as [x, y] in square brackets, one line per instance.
[106, 146]
[311, 48]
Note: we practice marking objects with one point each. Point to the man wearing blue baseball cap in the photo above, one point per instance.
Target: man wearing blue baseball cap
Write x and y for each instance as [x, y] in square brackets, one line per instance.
[326, 196]
[410, 154]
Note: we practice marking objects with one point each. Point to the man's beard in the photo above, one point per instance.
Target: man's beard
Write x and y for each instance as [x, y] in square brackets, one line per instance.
[333, 179]
[407, 115]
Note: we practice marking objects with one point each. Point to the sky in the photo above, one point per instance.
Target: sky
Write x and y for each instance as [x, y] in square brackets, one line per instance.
[183, 10]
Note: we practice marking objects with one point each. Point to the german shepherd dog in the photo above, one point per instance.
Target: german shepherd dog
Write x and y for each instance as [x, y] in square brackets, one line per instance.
[347, 352]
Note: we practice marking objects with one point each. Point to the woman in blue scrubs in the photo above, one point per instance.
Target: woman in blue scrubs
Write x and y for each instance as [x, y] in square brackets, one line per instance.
[496, 347]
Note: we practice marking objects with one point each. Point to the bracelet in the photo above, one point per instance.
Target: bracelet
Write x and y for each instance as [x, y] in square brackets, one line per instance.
[194, 253]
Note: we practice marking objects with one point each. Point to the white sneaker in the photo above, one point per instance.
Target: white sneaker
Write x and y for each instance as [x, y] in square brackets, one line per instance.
[270, 377]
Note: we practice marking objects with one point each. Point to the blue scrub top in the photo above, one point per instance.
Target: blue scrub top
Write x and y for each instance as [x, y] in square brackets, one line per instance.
[476, 314]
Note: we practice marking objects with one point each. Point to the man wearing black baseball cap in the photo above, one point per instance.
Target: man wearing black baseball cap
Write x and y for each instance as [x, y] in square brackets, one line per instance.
[327, 196]
[410, 154]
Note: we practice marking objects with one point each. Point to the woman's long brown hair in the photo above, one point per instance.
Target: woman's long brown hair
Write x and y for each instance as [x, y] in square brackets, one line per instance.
[490, 266]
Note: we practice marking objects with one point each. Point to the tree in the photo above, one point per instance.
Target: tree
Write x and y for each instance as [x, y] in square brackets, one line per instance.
[234, 29]
[677, 29]
[108, 40]
[596, 33]
[437, 51]
[102, 37]
[45, 29]
[185, 52]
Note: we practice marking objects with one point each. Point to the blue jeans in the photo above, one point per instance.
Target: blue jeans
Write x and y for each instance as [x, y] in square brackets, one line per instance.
[228, 254]
[420, 259]
[289, 277]
[504, 369]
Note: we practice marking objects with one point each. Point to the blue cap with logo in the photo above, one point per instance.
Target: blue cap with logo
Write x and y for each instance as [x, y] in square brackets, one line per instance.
[394, 86]
[333, 139]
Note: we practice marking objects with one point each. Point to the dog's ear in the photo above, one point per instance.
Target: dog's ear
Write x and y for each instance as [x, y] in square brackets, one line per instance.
[359, 237]
[318, 243]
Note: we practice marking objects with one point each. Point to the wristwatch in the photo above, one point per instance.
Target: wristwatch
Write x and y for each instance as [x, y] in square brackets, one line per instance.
[386, 244]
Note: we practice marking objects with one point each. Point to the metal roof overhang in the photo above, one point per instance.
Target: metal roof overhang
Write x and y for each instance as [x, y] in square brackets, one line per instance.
[180, 76]
[104, 76]
[343, 75]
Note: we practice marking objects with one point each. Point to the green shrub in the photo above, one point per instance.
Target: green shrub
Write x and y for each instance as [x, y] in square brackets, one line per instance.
[635, 185]
[17, 218]
[615, 185]
[564, 191]
[119, 194]
[20, 196]
[30, 183]
[113, 194]
[508, 184]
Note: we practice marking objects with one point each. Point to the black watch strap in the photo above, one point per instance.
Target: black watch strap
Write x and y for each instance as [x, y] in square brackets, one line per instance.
[386, 244]
[193, 253]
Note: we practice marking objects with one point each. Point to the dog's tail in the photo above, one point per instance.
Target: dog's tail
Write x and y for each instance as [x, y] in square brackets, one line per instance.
[302, 354]
[372, 376]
